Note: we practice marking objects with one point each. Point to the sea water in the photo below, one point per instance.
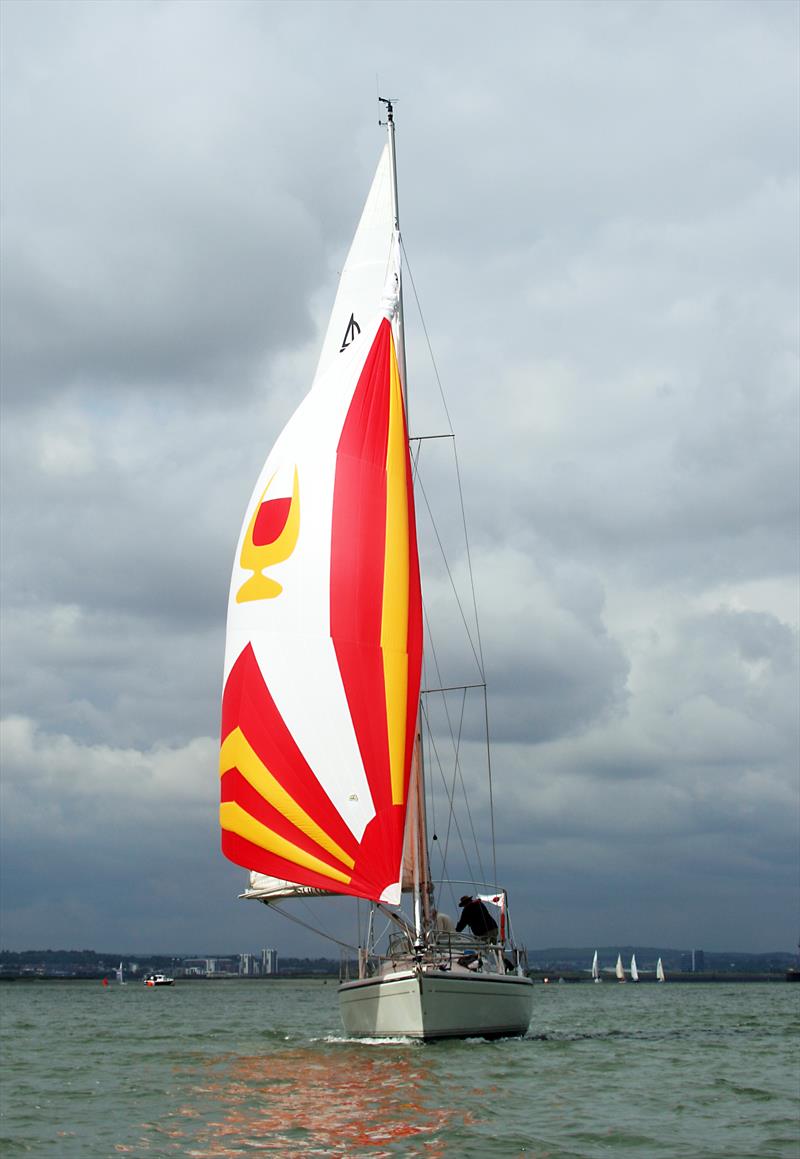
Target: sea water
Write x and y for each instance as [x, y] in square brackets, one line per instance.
[241, 1068]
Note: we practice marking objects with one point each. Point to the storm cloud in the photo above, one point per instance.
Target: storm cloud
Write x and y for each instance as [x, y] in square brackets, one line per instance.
[600, 209]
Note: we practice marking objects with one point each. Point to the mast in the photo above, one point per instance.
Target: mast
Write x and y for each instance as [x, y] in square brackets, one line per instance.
[419, 832]
[401, 333]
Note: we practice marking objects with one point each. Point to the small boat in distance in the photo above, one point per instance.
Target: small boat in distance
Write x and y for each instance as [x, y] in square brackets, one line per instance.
[120, 976]
[596, 969]
[619, 969]
[634, 969]
[660, 977]
[158, 980]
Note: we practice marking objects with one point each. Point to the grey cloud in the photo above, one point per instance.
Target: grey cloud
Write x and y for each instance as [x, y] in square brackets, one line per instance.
[610, 282]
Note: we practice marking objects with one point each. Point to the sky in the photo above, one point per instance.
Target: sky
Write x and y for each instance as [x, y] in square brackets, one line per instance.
[600, 209]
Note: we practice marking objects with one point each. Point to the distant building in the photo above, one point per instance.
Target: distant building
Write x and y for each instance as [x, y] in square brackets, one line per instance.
[269, 961]
[196, 966]
[248, 965]
[208, 966]
[223, 965]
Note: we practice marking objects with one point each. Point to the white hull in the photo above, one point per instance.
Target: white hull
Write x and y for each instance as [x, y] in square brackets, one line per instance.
[432, 1003]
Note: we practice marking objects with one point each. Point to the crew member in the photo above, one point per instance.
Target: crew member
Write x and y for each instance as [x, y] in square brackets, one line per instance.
[475, 915]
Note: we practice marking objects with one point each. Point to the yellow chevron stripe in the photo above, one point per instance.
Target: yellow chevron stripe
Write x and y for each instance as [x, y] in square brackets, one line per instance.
[234, 818]
[394, 622]
[237, 753]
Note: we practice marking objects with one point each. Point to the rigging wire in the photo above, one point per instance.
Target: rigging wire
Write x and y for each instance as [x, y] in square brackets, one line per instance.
[431, 654]
[425, 332]
[419, 485]
[489, 778]
[314, 929]
[469, 557]
[478, 654]
[458, 471]
[449, 794]
[458, 774]
[451, 811]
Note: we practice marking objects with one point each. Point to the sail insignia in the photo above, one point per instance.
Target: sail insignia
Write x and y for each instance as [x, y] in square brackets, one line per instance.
[270, 539]
[353, 329]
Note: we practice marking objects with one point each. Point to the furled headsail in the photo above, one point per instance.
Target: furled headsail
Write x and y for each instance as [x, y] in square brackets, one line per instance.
[324, 641]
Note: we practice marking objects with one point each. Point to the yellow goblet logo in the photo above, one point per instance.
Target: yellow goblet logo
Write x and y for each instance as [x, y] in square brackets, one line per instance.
[271, 537]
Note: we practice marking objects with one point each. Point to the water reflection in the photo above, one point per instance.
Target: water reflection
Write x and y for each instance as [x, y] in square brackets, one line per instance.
[328, 1100]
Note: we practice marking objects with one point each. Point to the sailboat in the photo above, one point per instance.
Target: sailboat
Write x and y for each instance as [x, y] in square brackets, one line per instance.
[660, 976]
[634, 969]
[321, 761]
[120, 976]
[619, 969]
[596, 969]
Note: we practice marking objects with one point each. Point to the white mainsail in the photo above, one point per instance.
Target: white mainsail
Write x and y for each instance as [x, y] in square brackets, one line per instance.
[660, 977]
[619, 969]
[595, 968]
[634, 970]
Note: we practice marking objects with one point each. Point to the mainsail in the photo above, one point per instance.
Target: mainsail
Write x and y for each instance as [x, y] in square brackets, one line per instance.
[324, 638]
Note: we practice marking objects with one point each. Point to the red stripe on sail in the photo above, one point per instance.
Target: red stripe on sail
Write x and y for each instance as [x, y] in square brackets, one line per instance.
[242, 852]
[358, 557]
[234, 787]
[358, 538]
[247, 703]
[249, 856]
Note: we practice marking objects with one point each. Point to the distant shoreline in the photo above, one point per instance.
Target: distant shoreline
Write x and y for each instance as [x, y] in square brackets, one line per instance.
[539, 976]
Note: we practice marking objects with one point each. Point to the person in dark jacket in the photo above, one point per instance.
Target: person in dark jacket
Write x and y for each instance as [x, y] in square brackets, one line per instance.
[475, 915]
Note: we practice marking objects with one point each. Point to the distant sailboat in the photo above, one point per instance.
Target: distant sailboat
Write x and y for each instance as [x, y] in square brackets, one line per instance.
[660, 971]
[634, 970]
[619, 969]
[120, 976]
[596, 969]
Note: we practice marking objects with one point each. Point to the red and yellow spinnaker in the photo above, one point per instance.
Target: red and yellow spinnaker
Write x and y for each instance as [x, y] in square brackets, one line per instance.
[324, 643]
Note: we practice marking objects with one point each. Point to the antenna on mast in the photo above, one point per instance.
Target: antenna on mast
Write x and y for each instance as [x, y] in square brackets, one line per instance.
[401, 342]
